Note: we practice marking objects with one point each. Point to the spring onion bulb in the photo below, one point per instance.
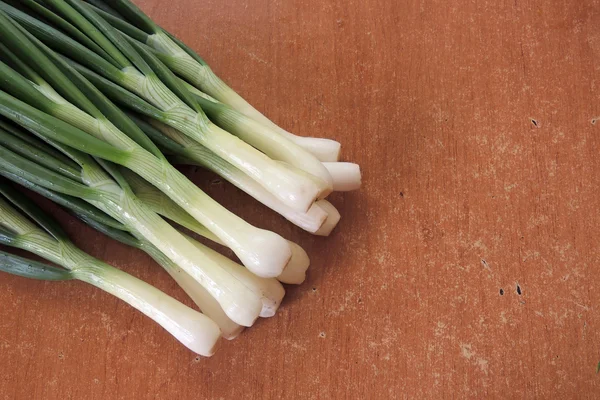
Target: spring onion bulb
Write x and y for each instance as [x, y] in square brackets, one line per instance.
[346, 176]
[295, 272]
[193, 329]
[333, 217]
[271, 291]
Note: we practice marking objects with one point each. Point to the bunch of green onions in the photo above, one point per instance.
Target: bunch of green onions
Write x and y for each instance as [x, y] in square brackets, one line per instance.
[97, 103]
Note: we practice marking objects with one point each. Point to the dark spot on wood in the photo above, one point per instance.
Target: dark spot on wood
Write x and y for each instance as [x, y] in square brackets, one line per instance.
[535, 123]
[216, 181]
[501, 292]
[427, 234]
[402, 194]
[518, 289]
[594, 121]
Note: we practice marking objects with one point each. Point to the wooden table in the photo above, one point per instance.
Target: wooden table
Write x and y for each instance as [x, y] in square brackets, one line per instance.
[466, 267]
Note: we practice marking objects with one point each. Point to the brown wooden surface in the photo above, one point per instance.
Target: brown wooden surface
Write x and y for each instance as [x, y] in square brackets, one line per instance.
[474, 124]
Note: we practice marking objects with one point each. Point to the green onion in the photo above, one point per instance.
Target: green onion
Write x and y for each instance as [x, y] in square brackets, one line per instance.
[268, 290]
[112, 228]
[141, 72]
[203, 299]
[264, 252]
[186, 63]
[187, 151]
[46, 239]
[116, 199]
[97, 103]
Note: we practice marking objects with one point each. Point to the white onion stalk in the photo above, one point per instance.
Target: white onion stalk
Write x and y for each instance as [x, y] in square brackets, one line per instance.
[346, 176]
[203, 299]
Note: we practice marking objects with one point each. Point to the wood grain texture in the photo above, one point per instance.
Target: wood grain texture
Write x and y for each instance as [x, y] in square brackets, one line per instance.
[474, 124]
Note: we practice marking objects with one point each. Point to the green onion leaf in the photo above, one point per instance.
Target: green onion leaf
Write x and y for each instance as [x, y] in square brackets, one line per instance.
[26, 268]
[24, 204]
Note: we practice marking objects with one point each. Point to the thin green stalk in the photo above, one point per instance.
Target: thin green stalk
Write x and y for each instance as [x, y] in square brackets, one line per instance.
[25, 268]
[101, 5]
[38, 156]
[39, 10]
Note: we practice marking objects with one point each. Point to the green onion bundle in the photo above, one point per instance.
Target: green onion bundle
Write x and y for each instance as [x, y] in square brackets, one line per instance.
[97, 103]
